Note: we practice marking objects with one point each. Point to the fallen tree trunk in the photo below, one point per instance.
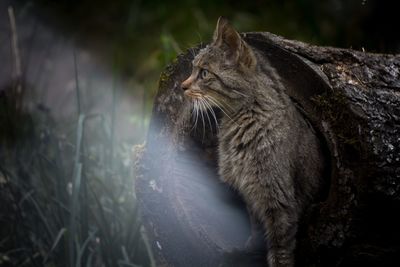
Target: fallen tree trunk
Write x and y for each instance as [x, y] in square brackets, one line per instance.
[352, 99]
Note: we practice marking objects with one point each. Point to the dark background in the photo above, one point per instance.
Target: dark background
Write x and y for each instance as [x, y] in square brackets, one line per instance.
[133, 40]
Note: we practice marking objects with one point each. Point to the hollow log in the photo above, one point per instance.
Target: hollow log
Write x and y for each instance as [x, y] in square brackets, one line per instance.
[352, 99]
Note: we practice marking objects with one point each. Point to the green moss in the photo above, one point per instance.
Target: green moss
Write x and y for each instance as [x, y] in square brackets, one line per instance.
[164, 76]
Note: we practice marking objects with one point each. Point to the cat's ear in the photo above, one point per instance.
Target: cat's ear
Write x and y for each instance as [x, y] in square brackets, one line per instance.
[238, 51]
[225, 34]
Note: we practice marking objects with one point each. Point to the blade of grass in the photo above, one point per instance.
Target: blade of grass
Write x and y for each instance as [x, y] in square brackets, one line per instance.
[45, 220]
[122, 263]
[28, 260]
[78, 95]
[83, 248]
[62, 206]
[19, 214]
[126, 261]
[17, 59]
[55, 243]
[74, 210]
[75, 189]
[107, 243]
[148, 247]
[134, 235]
[89, 259]
[114, 99]
[25, 197]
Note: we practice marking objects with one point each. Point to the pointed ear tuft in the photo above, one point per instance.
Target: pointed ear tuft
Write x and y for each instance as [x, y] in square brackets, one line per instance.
[225, 34]
[226, 37]
[218, 32]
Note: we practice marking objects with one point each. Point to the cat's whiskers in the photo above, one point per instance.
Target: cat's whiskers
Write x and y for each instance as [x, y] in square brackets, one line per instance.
[209, 107]
[202, 116]
[206, 111]
[220, 106]
[223, 103]
[196, 113]
[192, 111]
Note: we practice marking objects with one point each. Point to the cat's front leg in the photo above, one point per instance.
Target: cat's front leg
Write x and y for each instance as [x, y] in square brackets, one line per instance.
[255, 241]
[280, 228]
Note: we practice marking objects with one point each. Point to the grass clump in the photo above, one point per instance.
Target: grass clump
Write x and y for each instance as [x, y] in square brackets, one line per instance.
[67, 195]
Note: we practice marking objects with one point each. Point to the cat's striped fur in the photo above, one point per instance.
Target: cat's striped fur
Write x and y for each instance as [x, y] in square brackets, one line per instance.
[267, 151]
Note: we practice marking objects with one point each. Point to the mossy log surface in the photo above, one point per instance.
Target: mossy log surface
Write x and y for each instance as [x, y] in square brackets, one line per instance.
[352, 98]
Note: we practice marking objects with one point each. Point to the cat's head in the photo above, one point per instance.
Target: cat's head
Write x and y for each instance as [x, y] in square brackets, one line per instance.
[222, 72]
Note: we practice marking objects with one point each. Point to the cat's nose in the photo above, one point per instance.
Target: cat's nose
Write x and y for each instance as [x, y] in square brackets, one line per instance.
[186, 83]
[184, 86]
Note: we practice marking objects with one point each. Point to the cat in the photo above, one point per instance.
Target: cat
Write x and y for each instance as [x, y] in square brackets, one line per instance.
[267, 151]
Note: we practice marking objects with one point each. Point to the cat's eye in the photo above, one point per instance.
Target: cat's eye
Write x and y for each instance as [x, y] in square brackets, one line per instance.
[203, 73]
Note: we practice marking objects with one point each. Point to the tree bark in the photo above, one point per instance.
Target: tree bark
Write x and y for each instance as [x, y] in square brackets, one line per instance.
[352, 99]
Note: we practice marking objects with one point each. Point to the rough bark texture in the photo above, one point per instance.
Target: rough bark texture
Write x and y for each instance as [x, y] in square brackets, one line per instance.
[353, 100]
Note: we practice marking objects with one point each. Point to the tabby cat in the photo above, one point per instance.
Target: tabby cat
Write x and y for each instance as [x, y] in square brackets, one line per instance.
[267, 150]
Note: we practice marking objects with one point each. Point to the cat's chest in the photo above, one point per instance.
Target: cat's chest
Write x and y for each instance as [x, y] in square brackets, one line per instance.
[238, 158]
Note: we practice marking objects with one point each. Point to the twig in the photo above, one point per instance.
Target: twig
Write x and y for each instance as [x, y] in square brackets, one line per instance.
[114, 99]
[78, 95]
[14, 43]
[17, 71]
[29, 49]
